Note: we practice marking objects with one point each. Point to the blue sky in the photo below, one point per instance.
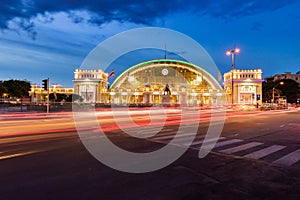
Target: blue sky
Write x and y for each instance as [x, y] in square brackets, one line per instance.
[40, 39]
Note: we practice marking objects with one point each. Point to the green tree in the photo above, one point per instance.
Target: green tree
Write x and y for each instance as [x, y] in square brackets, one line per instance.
[290, 89]
[74, 97]
[2, 89]
[68, 98]
[57, 97]
[267, 91]
[16, 88]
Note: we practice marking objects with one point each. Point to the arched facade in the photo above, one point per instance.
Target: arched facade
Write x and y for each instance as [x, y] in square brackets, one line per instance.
[166, 81]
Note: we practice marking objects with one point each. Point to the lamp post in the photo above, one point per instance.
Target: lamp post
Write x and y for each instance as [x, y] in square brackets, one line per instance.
[232, 52]
[273, 94]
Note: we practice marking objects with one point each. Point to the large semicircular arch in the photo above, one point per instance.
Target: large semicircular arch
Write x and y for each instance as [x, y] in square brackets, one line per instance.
[208, 77]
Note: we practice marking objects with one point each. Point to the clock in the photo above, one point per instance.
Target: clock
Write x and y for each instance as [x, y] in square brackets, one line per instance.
[164, 72]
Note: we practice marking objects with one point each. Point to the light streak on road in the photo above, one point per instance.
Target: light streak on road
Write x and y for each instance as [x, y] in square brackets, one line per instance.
[55, 123]
[33, 137]
[18, 131]
[16, 155]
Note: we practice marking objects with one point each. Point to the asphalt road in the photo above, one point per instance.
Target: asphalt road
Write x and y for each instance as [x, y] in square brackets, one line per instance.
[256, 157]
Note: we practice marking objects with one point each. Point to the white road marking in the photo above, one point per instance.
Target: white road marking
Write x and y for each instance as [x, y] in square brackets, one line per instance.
[224, 143]
[241, 147]
[196, 142]
[264, 152]
[183, 139]
[173, 135]
[150, 135]
[289, 159]
[161, 133]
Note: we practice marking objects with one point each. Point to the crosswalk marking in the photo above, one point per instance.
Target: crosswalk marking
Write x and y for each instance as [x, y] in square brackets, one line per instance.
[224, 143]
[184, 139]
[289, 159]
[241, 147]
[196, 142]
[172, 136]
[264, 152]
[286, 160]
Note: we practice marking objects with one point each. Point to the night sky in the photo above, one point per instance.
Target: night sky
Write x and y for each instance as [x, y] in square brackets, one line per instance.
[40, 39]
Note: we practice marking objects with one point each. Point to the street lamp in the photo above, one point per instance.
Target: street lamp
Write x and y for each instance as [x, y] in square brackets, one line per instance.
[232, 52]
[281, 83]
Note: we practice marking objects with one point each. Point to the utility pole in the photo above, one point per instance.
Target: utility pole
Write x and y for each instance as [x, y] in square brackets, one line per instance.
[232, 52]
[273, 92]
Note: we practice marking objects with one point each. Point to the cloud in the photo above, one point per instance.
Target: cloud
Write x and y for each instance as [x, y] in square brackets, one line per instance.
[237, 8]
[19, 15]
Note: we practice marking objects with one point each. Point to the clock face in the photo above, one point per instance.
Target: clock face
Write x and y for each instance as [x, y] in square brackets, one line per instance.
[164, 72]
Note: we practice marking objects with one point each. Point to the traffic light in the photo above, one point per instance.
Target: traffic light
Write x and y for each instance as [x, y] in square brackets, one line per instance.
[257, 97]
[46, 84]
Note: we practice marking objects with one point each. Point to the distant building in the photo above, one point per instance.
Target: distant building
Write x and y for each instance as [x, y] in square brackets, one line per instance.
[286, 75]
[91, 85]
[243, 86]
[39, 95]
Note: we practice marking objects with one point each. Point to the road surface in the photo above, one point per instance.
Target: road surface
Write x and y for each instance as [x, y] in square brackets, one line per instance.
[256, 156]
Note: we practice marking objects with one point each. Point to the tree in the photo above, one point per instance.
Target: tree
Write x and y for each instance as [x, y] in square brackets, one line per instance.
[2, 89]
[57, 97]
[267, 91]
[290, 89]
[74, 97]
[16, 88]
[63, 97]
